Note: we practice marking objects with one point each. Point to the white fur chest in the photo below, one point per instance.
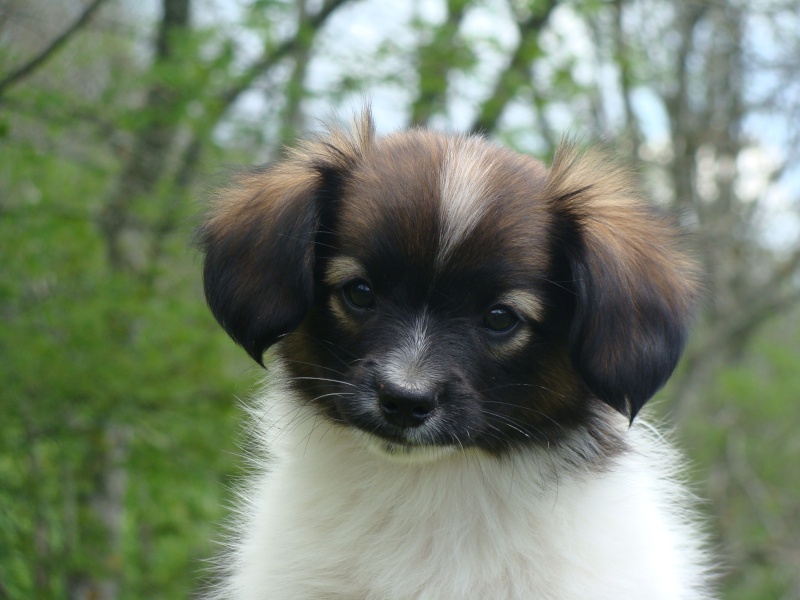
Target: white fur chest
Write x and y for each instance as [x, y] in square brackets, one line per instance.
[334, 520]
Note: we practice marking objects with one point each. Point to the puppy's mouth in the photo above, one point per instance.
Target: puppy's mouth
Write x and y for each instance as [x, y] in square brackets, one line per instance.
[380, 426]
[416, 419]
[402, 451]
[369, 421]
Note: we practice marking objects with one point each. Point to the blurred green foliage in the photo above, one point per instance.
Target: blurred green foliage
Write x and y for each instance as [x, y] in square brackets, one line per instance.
[744, 445]
[119, 430]
[87, 349]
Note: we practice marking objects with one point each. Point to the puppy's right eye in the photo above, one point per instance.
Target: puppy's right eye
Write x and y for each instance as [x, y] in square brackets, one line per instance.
[359, 295]
[500, 320]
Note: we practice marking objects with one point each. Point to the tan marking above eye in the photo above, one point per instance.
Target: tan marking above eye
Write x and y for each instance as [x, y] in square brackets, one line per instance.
[526, 303]
[341, 269]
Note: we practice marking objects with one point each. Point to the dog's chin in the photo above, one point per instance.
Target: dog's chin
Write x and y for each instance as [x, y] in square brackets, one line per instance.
[402, 452]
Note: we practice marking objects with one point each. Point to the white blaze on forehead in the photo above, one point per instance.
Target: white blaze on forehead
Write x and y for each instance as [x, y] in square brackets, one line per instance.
[465, 174]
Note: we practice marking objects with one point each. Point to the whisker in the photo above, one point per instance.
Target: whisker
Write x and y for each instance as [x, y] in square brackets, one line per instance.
[331, 425]
[304, 240]
[529, 409]
[323, 343]
[324, 379]
[508, 421]
[533, 385]
[292, 415]
[454, 436]
[559, 284]
[333, 394]
[300, 362]
[499, 436]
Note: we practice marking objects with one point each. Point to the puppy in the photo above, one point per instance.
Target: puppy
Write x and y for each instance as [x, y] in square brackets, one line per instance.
[458, 340]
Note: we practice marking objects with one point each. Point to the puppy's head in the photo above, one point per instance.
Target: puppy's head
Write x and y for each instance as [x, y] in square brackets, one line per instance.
[440, 291]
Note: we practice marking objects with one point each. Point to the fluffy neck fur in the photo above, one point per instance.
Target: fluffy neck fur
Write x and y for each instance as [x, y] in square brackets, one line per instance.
[329, 518]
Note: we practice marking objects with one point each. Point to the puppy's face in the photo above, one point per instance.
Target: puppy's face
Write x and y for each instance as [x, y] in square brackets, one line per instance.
[434, 307]
[436, 292]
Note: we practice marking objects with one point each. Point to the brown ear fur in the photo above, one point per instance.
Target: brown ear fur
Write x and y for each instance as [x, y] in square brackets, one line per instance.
[260, 237]
[635, 289]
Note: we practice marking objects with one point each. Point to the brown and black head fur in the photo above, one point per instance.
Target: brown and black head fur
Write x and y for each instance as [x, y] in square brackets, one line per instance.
[437, 290]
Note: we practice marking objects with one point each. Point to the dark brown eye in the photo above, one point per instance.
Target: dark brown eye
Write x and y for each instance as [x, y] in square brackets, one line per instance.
[500, 319]
[359, 295]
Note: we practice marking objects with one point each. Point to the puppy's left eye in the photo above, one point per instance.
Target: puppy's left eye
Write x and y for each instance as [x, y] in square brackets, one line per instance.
[500, 319]
[359, 294]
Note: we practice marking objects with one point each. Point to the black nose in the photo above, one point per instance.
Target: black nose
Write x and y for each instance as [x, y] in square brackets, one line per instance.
[404, 407]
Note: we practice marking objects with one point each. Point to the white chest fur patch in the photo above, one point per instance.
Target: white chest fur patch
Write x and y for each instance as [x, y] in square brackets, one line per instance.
[333, 520]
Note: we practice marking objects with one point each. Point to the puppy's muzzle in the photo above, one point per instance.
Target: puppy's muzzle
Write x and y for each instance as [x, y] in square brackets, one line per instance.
[404, 407]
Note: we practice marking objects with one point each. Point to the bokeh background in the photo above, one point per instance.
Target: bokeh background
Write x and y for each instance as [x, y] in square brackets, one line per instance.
[119, 427]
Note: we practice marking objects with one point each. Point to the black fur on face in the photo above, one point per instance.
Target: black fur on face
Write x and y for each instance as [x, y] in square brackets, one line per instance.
[432, 290]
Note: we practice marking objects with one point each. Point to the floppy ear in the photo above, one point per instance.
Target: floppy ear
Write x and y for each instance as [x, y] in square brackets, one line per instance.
[260, 235]
[635, 290]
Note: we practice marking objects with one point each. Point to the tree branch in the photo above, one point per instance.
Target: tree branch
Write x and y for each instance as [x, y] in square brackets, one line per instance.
[625, 76]
[153, 141]
[516, 74]
[432, 92]
[298, 45]
[271, 57]
[291, 114]
[678, 111]
[732, 333]
[26, 69]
